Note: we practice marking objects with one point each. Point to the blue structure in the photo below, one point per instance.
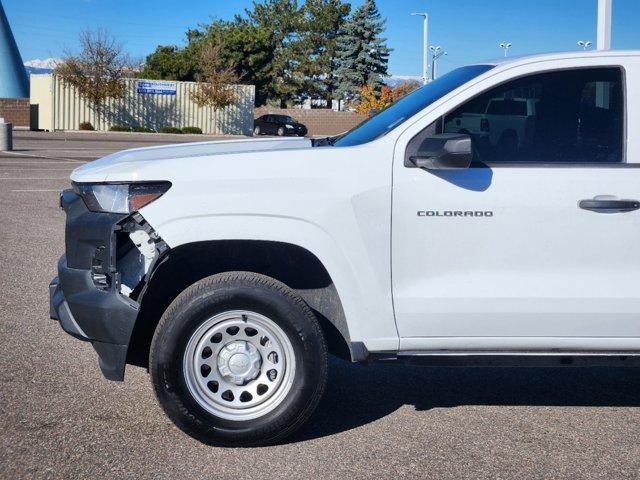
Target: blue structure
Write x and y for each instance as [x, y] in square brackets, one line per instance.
[14, 82]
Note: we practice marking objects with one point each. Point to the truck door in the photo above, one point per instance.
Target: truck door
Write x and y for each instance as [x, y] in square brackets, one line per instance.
[533, 247]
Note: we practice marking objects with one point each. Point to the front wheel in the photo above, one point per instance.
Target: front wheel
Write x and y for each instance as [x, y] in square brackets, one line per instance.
[238, 359]
[281, 131]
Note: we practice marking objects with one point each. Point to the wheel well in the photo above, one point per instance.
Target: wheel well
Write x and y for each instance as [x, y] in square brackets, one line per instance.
[294, 266]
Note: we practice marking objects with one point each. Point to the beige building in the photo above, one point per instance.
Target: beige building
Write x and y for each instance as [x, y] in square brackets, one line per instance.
[147, 103]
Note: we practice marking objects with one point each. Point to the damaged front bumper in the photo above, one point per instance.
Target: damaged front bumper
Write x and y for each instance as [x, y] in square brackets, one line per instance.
[88, 297]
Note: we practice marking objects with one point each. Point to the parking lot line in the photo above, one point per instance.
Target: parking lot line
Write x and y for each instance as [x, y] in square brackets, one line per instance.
[37, 190]
[58, 162]
[41, 156]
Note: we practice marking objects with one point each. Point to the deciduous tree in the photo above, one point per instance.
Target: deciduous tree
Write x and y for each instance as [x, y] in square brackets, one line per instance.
[97, 73]
[216, 79]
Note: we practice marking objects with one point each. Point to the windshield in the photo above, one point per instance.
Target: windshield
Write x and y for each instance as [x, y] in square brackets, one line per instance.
[400, 111]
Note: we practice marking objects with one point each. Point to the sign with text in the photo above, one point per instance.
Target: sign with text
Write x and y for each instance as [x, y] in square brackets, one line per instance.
[156, 87]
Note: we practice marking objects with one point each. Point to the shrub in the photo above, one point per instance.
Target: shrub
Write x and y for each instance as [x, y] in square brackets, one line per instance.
[196, 130]
[86, 126]
[119, 128]
[143, 130]
[170, 130]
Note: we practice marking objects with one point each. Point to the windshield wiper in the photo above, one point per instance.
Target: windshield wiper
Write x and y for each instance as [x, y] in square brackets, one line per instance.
[324, 142]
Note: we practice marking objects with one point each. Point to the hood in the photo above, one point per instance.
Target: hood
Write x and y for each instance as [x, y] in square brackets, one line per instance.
[128, 163]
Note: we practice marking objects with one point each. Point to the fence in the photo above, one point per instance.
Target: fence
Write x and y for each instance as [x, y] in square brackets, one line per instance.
[318, 121]
[59, 107]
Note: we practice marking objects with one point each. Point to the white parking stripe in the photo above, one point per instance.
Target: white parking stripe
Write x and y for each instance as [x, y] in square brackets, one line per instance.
[41, 156]
[58, 162]
[34, 178]
[41, 190]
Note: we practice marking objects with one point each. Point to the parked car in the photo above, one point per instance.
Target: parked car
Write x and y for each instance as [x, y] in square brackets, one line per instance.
[230, 269]
[280, 125]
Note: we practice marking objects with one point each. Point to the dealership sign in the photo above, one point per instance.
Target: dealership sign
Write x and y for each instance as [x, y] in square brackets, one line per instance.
[156, 87]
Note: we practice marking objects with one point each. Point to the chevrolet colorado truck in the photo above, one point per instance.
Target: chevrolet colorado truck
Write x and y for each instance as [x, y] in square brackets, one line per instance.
[230, 269]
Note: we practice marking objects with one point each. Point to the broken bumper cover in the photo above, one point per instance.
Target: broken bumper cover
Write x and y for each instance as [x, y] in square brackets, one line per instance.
[87, 307]
[104, 318]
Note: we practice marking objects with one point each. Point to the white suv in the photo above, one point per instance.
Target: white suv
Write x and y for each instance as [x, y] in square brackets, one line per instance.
[231, 269]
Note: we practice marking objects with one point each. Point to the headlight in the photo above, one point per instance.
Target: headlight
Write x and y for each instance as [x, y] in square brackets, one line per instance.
[288, 126]
[119, 197]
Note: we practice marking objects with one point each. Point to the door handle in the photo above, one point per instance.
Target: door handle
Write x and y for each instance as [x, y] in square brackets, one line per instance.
[608, 204]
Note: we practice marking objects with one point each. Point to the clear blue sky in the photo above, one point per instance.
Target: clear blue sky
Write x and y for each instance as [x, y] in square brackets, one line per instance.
[470, 30]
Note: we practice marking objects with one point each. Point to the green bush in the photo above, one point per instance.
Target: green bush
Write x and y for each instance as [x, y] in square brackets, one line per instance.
[196, 130]
[143, 130]
[86, 126]
[119, 128]
[170, 130]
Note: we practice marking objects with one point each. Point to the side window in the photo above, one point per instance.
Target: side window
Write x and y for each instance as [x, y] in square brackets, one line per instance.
[570, 116]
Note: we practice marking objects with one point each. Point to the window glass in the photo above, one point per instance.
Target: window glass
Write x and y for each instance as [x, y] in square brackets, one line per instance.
[405, 108]
[557, 117]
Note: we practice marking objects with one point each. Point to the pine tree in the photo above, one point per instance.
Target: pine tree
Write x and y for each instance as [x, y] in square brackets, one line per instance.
[321, 26]
[363, 53]
[281, 18]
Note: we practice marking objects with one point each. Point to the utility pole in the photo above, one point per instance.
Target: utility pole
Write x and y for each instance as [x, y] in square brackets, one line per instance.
[436, 53]
[425, 43]
[604, 24]
[505, 46]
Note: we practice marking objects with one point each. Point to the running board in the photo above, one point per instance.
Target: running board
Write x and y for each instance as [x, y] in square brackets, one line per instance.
[512, 359]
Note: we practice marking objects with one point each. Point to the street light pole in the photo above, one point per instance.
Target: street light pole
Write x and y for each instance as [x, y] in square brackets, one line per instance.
[425, 43]
[604, 24]
[436, 53]
[505, 46]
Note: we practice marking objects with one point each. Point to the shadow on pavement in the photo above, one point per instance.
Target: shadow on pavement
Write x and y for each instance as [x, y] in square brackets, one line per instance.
[357, 395]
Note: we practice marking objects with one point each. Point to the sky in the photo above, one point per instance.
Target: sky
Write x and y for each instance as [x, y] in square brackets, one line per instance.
[469, 30]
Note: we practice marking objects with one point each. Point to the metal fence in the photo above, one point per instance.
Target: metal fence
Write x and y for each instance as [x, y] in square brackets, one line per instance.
[61, 108]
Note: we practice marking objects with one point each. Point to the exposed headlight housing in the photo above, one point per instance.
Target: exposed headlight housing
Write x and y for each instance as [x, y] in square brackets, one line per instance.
[119, 197]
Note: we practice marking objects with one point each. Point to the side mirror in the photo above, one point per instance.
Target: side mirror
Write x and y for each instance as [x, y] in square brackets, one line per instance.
[447, 151]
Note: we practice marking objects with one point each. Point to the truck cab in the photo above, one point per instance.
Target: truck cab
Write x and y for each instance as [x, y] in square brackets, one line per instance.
[489, 217]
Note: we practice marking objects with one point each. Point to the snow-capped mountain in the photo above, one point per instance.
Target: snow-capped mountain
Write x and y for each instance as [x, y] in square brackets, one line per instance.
[395, 80]
[41, 66]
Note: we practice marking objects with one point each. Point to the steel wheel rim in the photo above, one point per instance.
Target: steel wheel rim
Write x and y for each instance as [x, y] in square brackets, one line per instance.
[258, 373]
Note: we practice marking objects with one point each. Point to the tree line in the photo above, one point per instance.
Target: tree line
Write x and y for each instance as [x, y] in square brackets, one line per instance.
[319, 50]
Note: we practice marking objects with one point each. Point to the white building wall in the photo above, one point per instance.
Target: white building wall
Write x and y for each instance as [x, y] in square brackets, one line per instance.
[61, 108]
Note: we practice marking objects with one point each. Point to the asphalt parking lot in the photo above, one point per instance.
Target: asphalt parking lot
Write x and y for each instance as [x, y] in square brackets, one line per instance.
[62, 419]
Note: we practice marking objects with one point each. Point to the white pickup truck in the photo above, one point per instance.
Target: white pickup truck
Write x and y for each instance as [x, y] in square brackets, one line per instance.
[230, 269]
[504, 122]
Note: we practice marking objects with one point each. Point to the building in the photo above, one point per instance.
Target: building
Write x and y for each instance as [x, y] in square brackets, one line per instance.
[147, 103]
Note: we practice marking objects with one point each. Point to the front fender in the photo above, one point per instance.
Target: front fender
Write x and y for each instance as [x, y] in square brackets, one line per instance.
[365, 300]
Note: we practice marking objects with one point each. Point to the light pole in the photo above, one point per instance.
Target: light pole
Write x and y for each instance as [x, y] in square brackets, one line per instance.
[604, 24]
[505, 46]
[436, 53]
[425, 42]
[585, 44]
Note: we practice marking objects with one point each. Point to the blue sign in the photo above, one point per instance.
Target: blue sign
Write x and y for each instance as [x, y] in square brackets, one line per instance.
[156, 87]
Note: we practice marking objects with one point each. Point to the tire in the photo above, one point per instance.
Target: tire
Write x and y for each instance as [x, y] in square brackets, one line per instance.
[256, 131]
[281, 131]
[185, 388]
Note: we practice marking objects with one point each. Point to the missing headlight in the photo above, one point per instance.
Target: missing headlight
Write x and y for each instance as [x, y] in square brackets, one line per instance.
[138, 248]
